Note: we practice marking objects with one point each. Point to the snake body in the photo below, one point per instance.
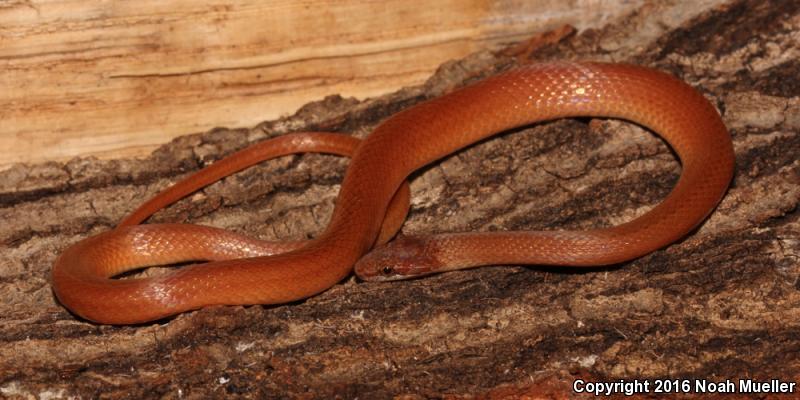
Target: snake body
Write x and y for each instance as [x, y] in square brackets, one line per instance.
[241, 271]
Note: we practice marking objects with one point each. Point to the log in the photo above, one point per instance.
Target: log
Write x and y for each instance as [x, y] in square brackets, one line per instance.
[721, 304]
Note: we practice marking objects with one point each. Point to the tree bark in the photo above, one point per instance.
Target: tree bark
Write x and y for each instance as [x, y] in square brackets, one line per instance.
[723, 303]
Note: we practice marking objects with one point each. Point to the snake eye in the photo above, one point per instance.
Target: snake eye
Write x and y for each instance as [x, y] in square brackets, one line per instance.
[387, 270]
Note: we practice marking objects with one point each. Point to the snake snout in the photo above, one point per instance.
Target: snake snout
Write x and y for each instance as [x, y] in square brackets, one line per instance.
[404, 258]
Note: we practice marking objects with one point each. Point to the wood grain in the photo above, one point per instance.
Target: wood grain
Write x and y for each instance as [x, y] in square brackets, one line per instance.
[115, 79]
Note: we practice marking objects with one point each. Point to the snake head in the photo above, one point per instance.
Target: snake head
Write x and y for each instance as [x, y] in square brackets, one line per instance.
[403, 258]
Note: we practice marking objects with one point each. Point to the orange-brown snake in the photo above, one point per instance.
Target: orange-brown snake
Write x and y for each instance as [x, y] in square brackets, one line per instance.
[246, 271]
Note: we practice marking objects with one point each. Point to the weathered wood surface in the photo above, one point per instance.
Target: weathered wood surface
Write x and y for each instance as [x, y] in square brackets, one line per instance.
[724, 303]
[117, 79]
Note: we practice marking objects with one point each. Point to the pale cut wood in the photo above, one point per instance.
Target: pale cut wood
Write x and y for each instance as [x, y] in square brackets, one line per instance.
[115, 79]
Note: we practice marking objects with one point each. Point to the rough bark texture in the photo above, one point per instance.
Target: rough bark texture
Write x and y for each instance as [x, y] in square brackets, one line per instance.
[724, 303]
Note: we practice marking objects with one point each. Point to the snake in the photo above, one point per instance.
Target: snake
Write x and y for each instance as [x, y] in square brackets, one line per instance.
[228, 268]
